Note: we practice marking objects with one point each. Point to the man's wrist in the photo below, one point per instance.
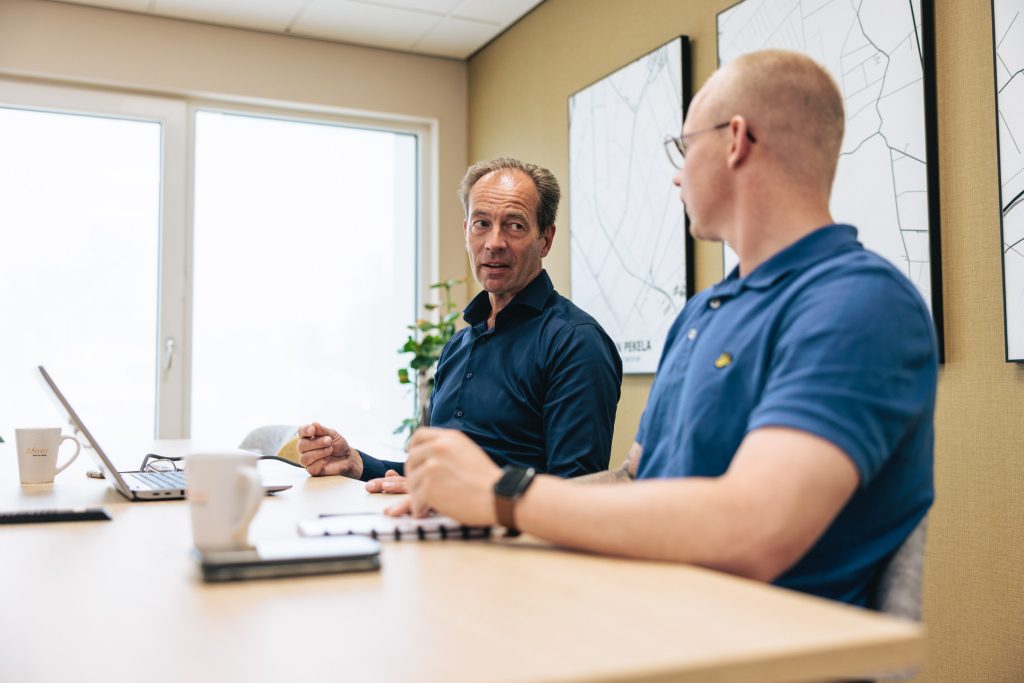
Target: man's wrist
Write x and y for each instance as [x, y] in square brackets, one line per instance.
[357, 462]
[508, 490]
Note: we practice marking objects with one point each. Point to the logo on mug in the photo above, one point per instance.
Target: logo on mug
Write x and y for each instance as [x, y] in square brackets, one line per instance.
[38, 452]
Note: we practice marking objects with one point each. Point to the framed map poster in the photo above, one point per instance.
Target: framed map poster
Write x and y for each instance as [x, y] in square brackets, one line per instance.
[1008, 54]
[631, 258]
[882, 55]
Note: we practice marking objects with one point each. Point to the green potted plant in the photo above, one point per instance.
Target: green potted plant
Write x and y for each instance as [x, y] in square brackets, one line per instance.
[428, 336]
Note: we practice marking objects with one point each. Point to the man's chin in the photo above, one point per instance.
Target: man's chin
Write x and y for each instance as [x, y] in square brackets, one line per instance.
[494, 282]
[698, 232]
[495, 288]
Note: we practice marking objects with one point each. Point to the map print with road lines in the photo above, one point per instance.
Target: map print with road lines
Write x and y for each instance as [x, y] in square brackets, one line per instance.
[627, 239]
[1008, 21]
[873, 49]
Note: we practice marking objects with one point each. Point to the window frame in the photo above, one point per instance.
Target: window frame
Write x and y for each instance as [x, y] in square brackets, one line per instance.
[177, 116]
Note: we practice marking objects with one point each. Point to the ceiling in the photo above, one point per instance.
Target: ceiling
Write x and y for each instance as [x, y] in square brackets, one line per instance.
[443, 28]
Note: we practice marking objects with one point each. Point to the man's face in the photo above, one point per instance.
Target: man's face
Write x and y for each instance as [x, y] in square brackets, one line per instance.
[503, 239]
[700, 180]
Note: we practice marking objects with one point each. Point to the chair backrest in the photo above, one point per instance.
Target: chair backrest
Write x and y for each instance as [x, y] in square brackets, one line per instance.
[268, 440]
[899, 588]
[898, 592]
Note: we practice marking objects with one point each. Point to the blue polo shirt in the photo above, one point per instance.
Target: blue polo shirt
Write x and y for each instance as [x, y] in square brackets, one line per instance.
[537, 390]
[827, 338]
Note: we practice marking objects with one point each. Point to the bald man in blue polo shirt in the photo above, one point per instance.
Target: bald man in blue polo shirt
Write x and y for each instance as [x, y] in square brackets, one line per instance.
[788, 434]
[531, 373]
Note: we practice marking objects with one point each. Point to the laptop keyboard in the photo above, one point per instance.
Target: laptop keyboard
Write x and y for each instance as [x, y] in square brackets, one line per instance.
[157, 480]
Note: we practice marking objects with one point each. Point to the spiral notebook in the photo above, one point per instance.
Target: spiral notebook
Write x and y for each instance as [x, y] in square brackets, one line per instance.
[386, 528]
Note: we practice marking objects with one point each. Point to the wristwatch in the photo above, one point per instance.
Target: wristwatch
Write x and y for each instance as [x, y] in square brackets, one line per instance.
[510, 488]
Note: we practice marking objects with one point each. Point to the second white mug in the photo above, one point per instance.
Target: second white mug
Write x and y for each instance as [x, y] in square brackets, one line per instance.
[224, 493]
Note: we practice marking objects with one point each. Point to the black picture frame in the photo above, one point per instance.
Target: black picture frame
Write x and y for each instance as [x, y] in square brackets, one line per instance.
[1004, 205]
[686, 92]
[926, 47]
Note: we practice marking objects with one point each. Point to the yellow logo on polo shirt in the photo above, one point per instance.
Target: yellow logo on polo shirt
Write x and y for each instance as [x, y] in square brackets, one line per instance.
[723, 360]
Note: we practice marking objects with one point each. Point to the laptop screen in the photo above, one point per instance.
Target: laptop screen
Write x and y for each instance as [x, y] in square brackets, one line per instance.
[98, 456]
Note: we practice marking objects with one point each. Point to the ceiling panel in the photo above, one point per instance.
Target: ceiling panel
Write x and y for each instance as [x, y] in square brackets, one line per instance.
[504, 12]
[457, 38]
[264, 15]
[362, 23]
[439, 7]
[128, 5]
[448, 28]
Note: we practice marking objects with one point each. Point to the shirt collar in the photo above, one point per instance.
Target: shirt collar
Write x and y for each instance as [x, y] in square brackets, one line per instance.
[817, 246]
[533, 295]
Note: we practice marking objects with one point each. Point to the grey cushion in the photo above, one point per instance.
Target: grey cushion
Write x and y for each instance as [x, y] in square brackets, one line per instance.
[269, 439]
[899, 589]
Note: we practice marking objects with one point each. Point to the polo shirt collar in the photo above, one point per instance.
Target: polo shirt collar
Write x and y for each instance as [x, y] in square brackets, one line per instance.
[533, 295]
[817, 246]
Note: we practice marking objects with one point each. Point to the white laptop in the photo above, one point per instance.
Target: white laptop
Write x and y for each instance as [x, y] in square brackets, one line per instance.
[132, 485]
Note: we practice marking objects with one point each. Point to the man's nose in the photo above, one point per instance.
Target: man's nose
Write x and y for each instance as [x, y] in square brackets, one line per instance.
[677, 178]
[495, 240]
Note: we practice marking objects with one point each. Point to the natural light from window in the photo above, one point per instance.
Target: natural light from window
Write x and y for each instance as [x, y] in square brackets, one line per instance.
[304, 276]
[79, 228]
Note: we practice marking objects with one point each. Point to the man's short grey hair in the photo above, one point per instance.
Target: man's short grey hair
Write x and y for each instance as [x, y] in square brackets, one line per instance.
[543, 179]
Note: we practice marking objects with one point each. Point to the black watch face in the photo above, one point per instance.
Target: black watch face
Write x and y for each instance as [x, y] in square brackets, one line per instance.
[509, 484]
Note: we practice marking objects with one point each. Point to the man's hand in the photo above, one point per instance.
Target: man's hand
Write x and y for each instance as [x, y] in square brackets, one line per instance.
[391, 482]
[325, 452]
[447, 472]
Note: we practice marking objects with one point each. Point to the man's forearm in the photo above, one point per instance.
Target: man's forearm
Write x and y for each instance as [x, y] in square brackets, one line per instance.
[676, 520]
[782, 490]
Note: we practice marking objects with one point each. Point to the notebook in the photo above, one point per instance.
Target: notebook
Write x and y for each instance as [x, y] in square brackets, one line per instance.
[132, 485]
[384, 528]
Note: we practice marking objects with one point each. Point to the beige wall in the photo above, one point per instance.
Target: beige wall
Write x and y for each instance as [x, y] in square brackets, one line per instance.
[71, 43]
[974, 594]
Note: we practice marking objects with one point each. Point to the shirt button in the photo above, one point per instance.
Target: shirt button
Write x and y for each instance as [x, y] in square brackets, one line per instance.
[469, 375]
[715, 304]
[459, 413]
[692, 334]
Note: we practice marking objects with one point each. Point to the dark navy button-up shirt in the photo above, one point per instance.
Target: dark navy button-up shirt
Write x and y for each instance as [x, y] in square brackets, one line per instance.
[537, 390]
[827, 338]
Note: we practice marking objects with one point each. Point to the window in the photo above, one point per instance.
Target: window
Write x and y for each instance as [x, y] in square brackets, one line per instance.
[305, 264]
[270, 282]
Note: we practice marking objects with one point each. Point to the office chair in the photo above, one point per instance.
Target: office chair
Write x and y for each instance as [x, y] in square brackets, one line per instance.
[899, 588]
[898, 591]
[277, 440]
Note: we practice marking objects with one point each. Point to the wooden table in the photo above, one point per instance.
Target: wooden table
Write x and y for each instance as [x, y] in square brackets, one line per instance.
[122, 601]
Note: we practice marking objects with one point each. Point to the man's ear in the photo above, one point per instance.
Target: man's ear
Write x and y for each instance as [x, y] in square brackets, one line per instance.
[548, 237]
[740, 144]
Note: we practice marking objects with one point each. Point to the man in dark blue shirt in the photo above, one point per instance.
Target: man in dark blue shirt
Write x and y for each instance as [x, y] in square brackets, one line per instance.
[533, 380]
[788, 435]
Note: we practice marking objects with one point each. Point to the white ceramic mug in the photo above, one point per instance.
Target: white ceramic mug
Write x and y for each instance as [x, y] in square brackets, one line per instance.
[37, 454]
[224, 492]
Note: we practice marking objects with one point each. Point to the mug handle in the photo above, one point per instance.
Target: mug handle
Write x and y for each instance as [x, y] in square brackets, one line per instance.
[250, 479]
[78, 449]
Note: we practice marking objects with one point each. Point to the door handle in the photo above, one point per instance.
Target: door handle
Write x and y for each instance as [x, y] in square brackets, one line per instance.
[168, 353]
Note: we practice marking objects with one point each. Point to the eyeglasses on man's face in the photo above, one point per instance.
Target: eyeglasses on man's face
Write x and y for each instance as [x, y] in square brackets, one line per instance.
[675, 147]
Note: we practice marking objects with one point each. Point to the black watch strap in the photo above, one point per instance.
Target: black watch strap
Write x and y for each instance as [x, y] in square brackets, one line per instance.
[510, 488]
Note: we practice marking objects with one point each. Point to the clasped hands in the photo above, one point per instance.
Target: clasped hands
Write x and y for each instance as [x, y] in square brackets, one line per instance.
[445, 472]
